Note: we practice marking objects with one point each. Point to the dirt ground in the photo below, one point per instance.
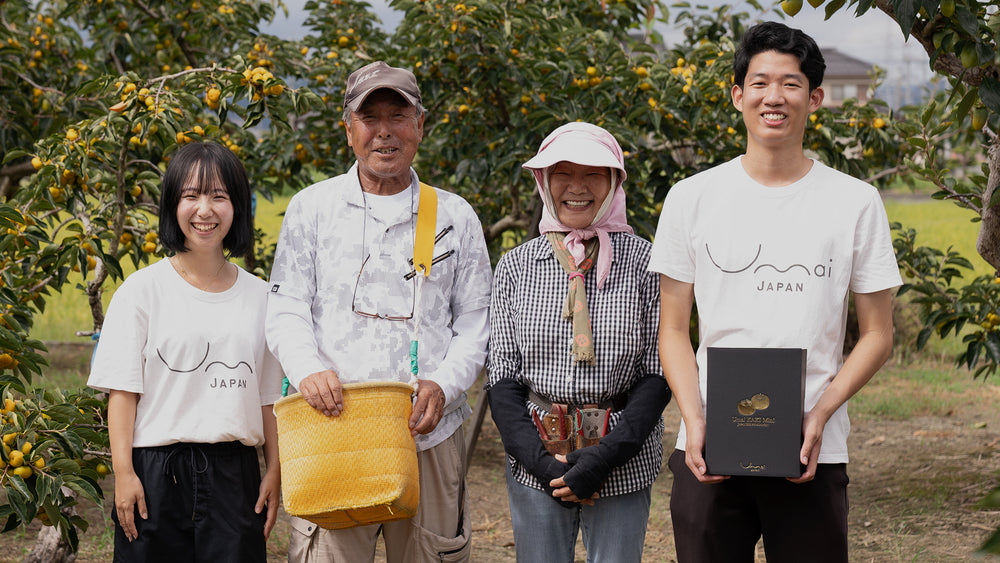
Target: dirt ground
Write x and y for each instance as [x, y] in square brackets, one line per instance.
[915, 485]
[913, 493]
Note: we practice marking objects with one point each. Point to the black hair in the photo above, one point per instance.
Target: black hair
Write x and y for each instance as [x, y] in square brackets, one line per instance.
[774, 36]
[215, 165]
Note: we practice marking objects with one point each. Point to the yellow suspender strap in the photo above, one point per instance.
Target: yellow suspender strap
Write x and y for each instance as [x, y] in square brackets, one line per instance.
[423, 245]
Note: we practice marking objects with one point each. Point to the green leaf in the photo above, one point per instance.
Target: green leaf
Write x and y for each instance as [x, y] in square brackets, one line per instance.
[971, 355]
[113, 267]
[994, 23]
[63, 465]
[993, 346]
[47, 486]
[832, 7]
[18, 484]
[71, 443]
[12, 521]
[89, 86]
[71, 537]
[84, 487]
[965, 106]
[79, 522]
[992, 544]
[989, 93]
[18, 505]
[967, 20]
[928, 113]
[924, 336]
[253, 118]
[14, 154]
[906, 14]
[985, 51]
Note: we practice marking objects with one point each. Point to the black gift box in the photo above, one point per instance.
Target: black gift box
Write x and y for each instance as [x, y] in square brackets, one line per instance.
[754, 411]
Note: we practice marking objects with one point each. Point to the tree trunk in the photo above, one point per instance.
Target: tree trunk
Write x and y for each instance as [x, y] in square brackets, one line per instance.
[988, 242]
[50, 548]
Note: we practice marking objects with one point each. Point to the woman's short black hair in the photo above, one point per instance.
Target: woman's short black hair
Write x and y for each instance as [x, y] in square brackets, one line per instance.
[774, 36]
[215, 165]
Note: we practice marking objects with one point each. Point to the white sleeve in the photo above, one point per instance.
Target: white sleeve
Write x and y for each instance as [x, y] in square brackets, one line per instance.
[270, 378]
[874, 265]
[118, 359]
[505, 360]
[290, 337]
[289, 323]
[466, 354]
[672, 254]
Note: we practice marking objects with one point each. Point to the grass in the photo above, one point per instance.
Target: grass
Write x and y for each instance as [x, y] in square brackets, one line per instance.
[926, 388]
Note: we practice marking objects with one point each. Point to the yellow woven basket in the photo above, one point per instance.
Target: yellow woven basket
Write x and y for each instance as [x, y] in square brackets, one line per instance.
[354, 469]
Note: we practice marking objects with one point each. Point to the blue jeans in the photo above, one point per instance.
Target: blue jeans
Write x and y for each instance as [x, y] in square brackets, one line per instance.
[614, 528]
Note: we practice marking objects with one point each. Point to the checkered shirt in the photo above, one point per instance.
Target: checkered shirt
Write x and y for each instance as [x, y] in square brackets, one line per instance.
[530, 341]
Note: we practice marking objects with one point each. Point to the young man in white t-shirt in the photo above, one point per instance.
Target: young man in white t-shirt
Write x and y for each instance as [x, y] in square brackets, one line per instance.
[770, 245]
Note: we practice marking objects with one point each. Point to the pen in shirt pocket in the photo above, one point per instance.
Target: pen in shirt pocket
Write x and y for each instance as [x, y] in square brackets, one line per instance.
[437, 258]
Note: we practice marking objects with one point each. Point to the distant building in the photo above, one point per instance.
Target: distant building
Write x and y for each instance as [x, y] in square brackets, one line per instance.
[846, 77]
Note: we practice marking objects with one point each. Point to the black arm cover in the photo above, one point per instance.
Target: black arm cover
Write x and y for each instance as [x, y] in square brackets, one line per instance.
[508, 406]
[591, 466]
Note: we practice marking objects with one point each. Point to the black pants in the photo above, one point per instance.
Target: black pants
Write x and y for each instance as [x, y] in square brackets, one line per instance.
[722, 522]
[200, 499]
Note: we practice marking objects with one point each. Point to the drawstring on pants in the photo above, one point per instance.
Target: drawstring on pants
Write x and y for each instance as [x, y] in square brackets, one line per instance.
[190, 449]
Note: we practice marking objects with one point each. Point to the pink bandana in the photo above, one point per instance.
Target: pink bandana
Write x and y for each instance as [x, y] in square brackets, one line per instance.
[587, 145]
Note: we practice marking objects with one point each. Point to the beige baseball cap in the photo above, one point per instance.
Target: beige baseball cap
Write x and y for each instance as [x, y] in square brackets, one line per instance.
[378, 75]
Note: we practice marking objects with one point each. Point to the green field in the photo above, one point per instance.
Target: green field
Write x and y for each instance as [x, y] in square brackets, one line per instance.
[940, 224]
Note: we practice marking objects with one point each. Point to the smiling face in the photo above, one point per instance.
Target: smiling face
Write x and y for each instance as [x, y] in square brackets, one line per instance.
[204, 214]
[385, 133]
[775, 101]
[578, 192]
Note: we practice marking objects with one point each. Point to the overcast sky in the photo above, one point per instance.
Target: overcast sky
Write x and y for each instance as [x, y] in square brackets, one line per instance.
[874, 37]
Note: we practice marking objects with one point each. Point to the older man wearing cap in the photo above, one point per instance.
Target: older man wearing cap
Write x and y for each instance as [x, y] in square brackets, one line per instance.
[345, 302]
[575, 384]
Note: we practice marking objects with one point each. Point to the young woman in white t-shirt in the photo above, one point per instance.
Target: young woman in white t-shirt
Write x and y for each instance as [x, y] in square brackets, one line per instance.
[192, 385]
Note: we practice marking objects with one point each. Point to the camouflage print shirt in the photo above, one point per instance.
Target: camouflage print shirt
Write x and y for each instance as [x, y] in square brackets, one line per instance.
[338, 263]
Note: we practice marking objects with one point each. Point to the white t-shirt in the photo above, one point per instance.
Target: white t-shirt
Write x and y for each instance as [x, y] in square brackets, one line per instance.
[198, 360]
[772, 267]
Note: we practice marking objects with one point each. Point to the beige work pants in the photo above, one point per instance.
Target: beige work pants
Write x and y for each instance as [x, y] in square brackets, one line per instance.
[440, 531]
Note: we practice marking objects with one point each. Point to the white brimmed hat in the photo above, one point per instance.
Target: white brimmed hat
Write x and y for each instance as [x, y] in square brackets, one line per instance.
[579, 143]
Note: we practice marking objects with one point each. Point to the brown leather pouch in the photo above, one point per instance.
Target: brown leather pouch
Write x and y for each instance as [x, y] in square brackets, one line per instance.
[558, 446]
[558, 428]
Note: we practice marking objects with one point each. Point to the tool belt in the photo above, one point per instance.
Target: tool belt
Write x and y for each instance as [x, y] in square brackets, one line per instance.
[571, 427]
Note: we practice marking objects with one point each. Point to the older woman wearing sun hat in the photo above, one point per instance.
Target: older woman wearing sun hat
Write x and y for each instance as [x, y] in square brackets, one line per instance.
[575, 384]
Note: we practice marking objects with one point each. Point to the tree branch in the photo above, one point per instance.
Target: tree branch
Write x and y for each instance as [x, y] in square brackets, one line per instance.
[948, 64]
[884, 173]
[10, 177]
[507, 223]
